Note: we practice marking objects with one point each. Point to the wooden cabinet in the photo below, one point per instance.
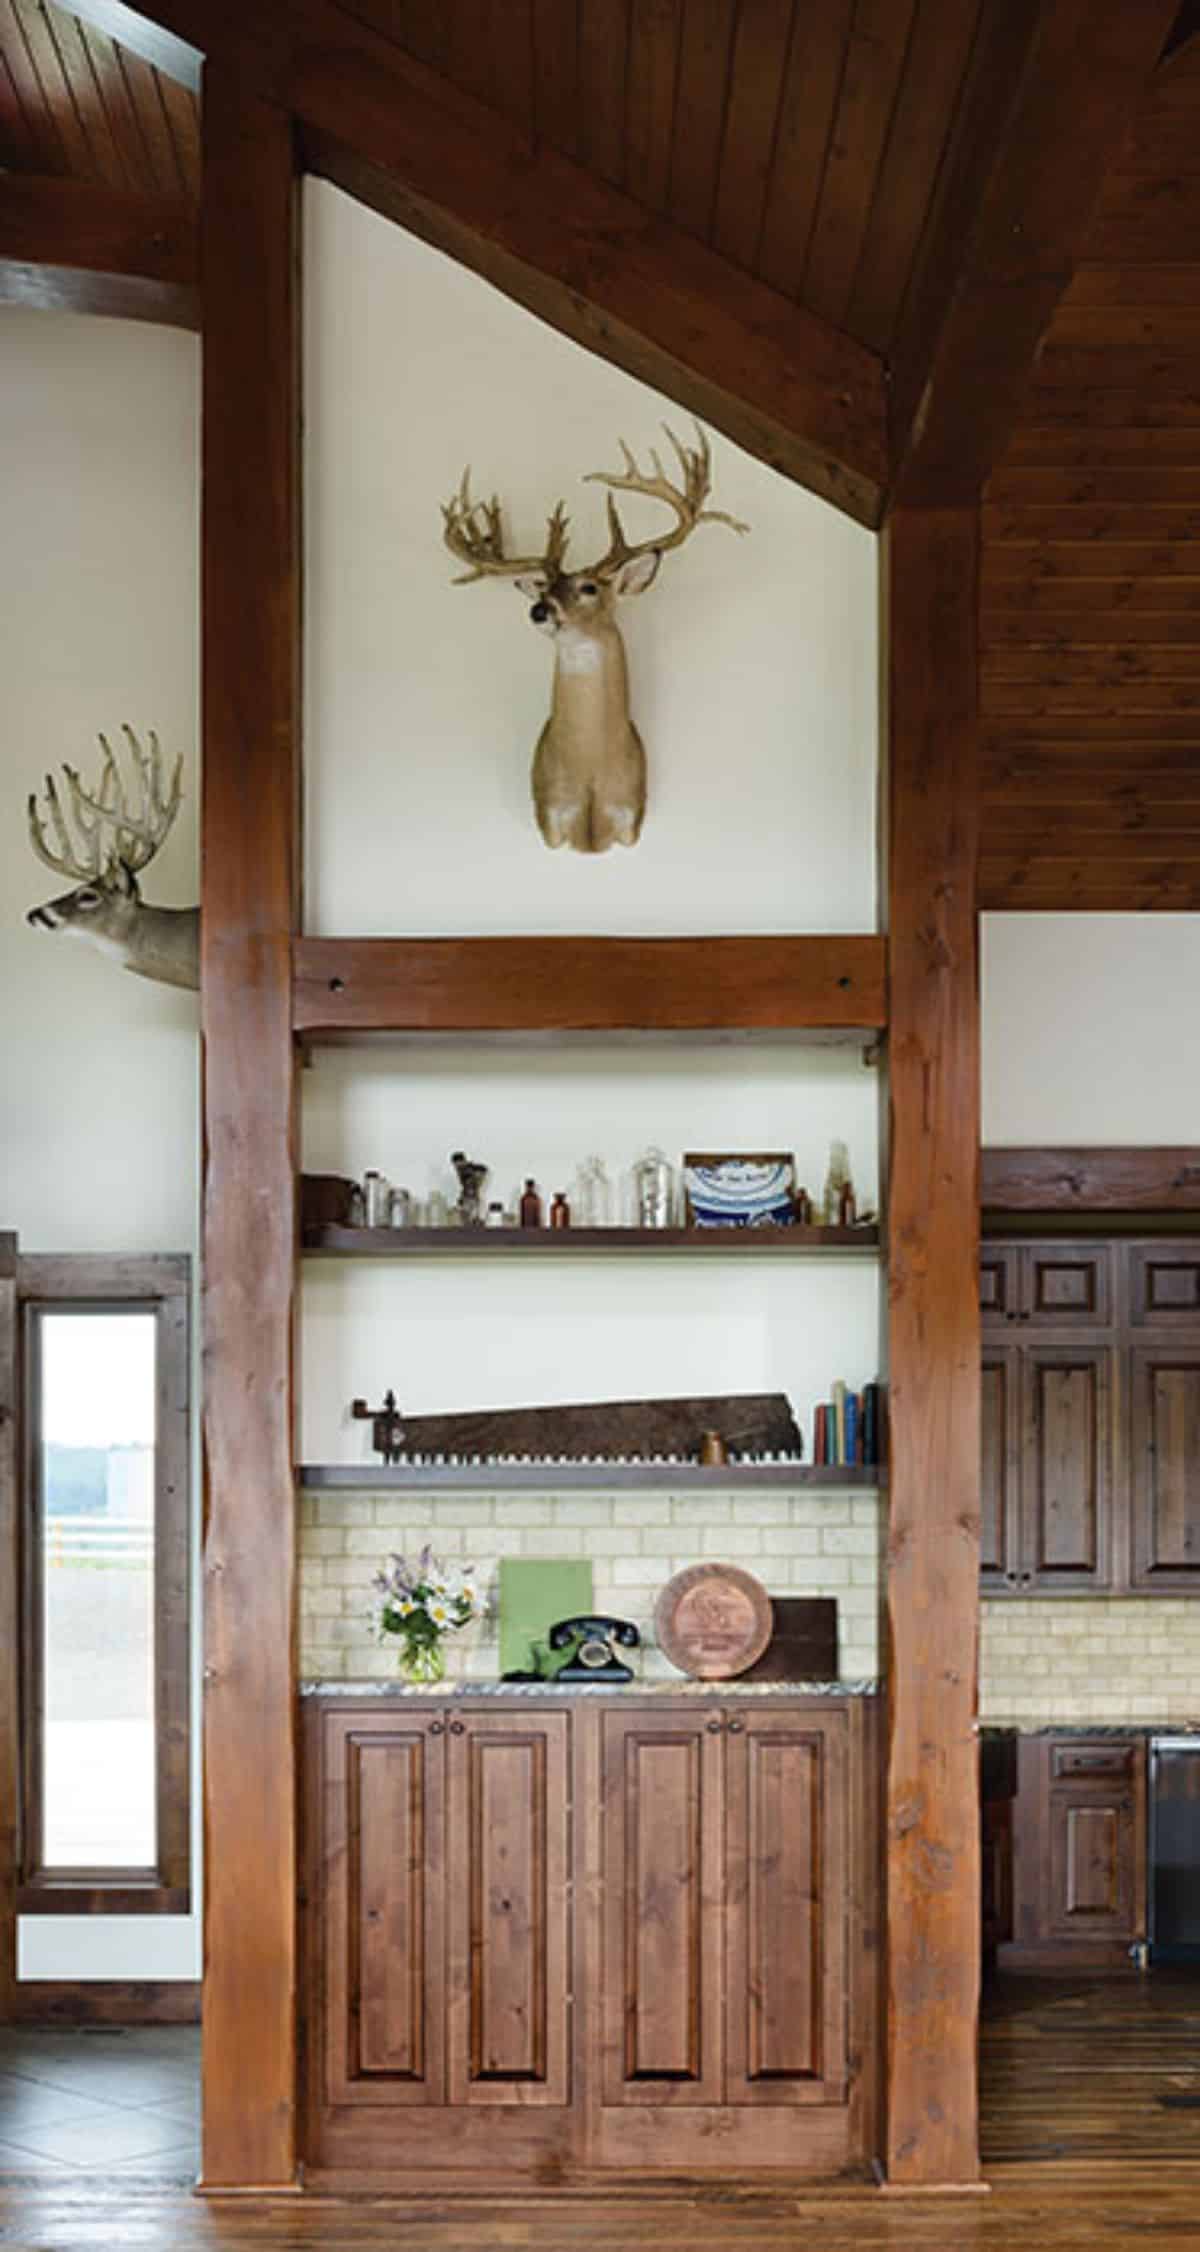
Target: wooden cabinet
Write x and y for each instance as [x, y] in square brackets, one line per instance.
[1079, 1854]
[1091, 1416]
[590, 1933]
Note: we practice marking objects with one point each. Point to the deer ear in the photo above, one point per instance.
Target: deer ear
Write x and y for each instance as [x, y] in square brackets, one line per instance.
[635, 577]
[534, 588]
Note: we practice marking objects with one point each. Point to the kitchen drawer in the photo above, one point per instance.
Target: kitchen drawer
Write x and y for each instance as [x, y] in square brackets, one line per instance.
[1080, 1763]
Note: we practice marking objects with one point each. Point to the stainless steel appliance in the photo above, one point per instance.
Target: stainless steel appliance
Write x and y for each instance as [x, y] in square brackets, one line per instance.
[1175, 1849]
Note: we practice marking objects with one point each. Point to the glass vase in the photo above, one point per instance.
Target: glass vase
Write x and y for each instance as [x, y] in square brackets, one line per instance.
[423, 1664]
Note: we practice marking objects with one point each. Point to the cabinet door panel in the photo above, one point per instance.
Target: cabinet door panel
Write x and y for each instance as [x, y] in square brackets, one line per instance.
[999, 1283]
[1000, 1480]
[383, 1933]
[1164, 1285]
[1165, 1482]
[662, 1853]
[1066, 1497]
[1092, 1865]
[509, 1908]
[785, 1907]
[1067, 1285]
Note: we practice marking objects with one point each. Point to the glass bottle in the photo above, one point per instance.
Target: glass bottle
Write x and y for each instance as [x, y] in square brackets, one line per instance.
[377, 1200]
[495, 1216]
[560, 1210]
[835, 1180]
[531, 1206]
[652, 1190]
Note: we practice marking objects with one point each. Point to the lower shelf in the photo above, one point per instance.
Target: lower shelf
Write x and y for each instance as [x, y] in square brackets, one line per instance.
[576, 1477]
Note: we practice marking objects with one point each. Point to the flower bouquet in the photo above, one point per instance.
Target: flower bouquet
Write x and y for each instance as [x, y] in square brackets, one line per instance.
[421, 1604]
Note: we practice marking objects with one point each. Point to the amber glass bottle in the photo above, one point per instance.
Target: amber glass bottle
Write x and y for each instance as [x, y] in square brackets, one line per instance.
[531, 1206]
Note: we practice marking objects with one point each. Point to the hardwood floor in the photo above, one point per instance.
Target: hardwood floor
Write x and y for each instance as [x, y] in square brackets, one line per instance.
[1091, 2067]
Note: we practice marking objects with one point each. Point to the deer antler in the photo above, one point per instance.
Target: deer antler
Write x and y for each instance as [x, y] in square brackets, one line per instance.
[474, 533]
[133, 836]
[687, 499]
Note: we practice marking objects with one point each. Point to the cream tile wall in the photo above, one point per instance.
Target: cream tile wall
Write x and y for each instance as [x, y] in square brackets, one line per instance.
[1117, 1659]
[800, 1543]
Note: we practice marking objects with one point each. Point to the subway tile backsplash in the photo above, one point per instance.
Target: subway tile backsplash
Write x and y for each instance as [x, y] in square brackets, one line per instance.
[1114, 1658]
[802, 1543]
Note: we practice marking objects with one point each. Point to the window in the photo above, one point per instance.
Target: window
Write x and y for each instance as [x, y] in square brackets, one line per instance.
[104, 1585]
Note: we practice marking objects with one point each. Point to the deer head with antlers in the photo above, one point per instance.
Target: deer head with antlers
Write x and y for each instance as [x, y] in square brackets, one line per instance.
[589, 768]
[117, 840]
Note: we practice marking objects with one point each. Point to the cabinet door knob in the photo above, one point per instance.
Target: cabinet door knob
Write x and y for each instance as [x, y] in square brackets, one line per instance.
[736, 1727]
[437, 1727]
[714, 1727]
[1010, 1579]
[458, 1728]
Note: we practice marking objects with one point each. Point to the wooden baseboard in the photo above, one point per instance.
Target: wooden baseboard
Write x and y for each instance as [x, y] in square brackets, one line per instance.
[105, 2002]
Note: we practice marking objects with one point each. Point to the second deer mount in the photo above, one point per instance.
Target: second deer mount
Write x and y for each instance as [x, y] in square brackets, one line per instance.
[589, 768]
[118, 831]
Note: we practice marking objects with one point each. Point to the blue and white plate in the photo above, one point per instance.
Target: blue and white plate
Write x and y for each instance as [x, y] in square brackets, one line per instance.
[741, 1192]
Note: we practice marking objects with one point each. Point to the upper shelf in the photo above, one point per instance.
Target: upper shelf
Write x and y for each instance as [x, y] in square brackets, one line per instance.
[820, 987]
[390, 1243]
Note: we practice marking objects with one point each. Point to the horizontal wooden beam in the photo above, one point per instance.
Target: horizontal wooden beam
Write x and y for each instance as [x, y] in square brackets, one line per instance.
[562, 242]
[496, 985]
[77, 246]
[1165, 1179]
[1053, 85]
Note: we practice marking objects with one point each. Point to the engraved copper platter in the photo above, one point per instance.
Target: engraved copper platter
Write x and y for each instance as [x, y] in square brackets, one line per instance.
[713, 1621]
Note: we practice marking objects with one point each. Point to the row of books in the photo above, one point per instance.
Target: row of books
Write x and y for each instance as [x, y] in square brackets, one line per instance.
[849, 1428]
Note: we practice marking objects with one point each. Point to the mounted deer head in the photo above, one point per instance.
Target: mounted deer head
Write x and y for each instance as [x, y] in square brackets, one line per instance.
[589, 768]
[117, 840]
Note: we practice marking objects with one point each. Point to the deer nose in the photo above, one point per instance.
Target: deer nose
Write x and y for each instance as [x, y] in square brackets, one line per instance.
[540, 612]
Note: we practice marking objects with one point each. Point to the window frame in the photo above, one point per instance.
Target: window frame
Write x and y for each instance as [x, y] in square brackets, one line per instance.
[76, 1283]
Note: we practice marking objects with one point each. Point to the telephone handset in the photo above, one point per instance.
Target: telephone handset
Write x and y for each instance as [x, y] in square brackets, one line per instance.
[594, 1659]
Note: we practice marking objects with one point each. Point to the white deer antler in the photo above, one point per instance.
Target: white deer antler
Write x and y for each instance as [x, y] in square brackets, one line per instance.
[686, 499]
[132, 836]
[473, 532]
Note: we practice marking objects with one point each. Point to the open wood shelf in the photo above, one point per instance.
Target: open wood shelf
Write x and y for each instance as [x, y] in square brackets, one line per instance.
[812, 986]
[578, 1477]
[499, 1243]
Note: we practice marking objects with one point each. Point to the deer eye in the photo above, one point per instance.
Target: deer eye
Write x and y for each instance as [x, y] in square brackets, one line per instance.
[589, 587]
[87, 898]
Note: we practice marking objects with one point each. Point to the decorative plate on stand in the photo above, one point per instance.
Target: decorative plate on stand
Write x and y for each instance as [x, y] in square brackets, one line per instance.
[713, 1621]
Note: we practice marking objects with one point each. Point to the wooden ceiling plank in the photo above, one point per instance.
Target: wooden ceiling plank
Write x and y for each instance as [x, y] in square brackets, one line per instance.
[1134, 408]
[179, 57]
[1134, 705]
[816, 62]
[1021, 485]
[468, 55]
[654, 43]
[1097, 521]
[1073, 886]
[1080, 755]
[1159, 289]
[1034, 443]
[590, 261]
[18, 145]
[142, 82]
[1085, 559]
[756, 78]
[875, 57]
[510, 38]
[1018, 629]
[1135, 665]
[182, 113]
[1064, 77]
[43, 129]
[59, 94]
[418, 25]
[603, 59]
[701, 98]
[556, 75]
[122, 117]
[1142, 221]
[931, 83]
[106, 160]
[1109, 598]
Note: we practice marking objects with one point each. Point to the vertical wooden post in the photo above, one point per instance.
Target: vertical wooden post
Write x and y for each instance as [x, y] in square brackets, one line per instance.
[930, 837]
[10, 1639]
[251, 770]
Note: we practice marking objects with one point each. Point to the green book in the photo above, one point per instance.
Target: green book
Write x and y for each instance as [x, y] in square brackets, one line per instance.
[534, 1594]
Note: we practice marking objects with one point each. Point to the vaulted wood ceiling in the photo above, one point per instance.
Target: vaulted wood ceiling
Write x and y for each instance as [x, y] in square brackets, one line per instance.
[808, 200]
[1091, 556]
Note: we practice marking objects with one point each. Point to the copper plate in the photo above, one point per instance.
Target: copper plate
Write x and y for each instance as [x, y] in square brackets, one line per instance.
[713, 1621]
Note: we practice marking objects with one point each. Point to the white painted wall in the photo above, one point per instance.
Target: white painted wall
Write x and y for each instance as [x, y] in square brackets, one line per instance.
[752, 660]
[98, 624]
[1089, 1029]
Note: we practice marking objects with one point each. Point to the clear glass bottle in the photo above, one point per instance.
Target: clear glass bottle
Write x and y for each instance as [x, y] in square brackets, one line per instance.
[836, 1178]
[652, 1182]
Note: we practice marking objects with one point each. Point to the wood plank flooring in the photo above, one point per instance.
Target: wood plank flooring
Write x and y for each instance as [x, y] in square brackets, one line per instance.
[1091, 2068]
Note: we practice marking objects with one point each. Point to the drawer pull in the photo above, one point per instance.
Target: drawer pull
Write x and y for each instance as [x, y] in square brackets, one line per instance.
[1098, 1759]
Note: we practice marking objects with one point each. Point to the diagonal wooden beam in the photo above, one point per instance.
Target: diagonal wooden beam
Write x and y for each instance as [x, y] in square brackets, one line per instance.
[79, 246]
[1052, 85]
[559, 240]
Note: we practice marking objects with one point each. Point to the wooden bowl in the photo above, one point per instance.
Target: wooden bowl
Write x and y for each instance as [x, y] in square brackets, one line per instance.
[713, 1621]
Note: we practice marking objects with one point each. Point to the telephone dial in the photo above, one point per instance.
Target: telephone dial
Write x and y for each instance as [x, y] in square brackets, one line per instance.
[594, 1658]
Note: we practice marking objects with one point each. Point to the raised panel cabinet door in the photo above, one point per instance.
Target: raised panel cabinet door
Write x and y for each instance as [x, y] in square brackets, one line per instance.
[1067, 1285]
[999, 1283]
[383, 1933]
[1000, 1482]
[785, 1907]
[1093, 1862]
[661, 1847]
[1066, 1484]
[1164, 1286]
[1165, 1466]
[509, 1907]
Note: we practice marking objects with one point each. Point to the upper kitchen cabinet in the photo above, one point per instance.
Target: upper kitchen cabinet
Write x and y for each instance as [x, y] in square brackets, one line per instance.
[1164, 1433]
[1065, 1285]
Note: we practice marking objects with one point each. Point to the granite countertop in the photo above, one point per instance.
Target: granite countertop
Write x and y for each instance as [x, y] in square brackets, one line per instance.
[680, 1688]
[1087, 1728]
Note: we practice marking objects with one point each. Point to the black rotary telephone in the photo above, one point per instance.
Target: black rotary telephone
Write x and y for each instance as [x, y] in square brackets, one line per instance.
[593, 1660]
